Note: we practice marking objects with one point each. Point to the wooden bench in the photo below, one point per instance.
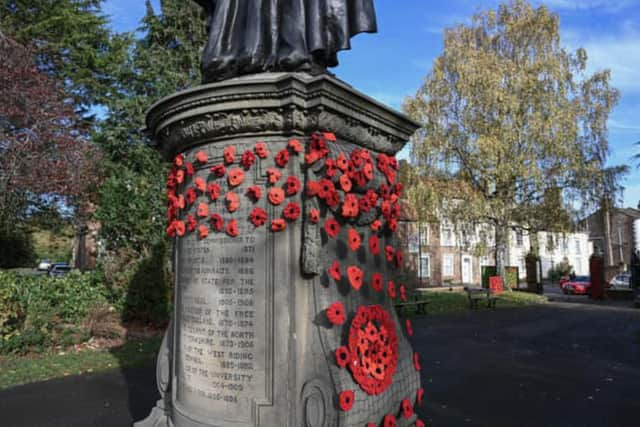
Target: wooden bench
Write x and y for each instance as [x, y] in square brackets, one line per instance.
[480, 294]
[416, 300]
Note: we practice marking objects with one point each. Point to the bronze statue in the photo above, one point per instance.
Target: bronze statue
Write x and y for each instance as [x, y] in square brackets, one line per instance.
[254, 36]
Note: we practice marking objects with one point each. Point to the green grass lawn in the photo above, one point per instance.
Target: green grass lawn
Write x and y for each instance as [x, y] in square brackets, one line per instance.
[445, 302]
[22, 370]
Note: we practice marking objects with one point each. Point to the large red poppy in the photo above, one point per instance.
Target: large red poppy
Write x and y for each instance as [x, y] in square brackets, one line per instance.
[342, 163]
[335, 313]
[180, 176]
[189, 169]
[345, 183]
[374, 244]
[229, 154]
[274, 175]
[203, 231]
[171, 229]
[389, 421]
[334, 271]
[261, 150]
[218, 170]
[295, 146]
[180, 228]
[191, 223]
[350, 207]
[313, 188]
[200, 184]
[278, 224]
[276, 195]
[389, 253]
[247, 159]
[330, 168]
[342, 356]
[282, 158]
[354, 239]
[346, 399]
[258, 217]
[203, 210]
[217, 222]
[214, 191]
[292, 184]
[407, 408]
[354, 274]
[191, 196]
[232, 228]
[291, 211]
[375, 225]
[377, 283]
[180, 202]
[332, 227]
[314, 215]
[235, 177]
[254, 191]
[178, 160]
[201, 157]
[326, 188]
[232, 200]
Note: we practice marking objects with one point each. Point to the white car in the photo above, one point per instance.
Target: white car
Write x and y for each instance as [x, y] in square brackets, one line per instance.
[621, 281]
[44, 265]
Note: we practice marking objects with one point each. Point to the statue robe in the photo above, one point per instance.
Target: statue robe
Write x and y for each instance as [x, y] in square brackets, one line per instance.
[253, 36]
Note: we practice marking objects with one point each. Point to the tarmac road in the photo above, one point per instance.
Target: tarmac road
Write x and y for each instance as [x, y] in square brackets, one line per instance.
[563, 364]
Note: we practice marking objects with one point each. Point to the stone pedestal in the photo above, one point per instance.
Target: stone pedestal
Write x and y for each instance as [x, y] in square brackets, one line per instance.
[250, 342]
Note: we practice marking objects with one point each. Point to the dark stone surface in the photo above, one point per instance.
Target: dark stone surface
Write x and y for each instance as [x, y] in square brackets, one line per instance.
[254, 36]
[537, 366]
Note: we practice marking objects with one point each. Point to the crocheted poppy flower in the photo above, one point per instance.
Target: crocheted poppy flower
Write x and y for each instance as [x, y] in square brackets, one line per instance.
[191, 223]
[291, 211]
[392, 225]
[276, 195]
[214, 191]
[189, 169]
[335, 313]
[403, 293]
[342, 163]
[367, 170]
[232, 200]
[312, 157]
[365, 204]
[350, 207]
[354, 274]
[314, 215]
[353, 239]
[391, 289]
[247, 159]
[374, 244]
[345, 183]
[278, 224]
[203, 231]
[235, 177]
[419, 394]
[201, 157]
[334, 271]
[342, 356]
[419, 423]
[416, 361]
[333, 199]
[326, 188]
[399, 258]
[218, 170]
[258, 217]
[292, 185]
[261, 150]
[180, 228]
[313, 188]
[217, 223]
[254, 191]
[203, 210]
[389, 421]
[330, 168]
[407, 408]
[377, 283]
[371, 425]
[375, 225]
[180, 176]
[332, 227]
[180, 202]
[358, 178]
[389, 253]
[229, 154]
[346, 399]
[282, 158]
[274, 175]
[295, 145]
[329, 136]
[407, 324]
[200, 184]
[191, 196]
[178, 160]
[232, 228]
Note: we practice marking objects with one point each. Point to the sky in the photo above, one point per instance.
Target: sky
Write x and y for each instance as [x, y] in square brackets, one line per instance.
[391, 64]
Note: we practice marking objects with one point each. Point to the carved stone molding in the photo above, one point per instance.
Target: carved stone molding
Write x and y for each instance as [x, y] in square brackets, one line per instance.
[275, 104]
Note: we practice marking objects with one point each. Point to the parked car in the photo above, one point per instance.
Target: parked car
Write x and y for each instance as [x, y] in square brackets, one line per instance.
[44, 265]
[580, 285]
[621, 281]
[59, 269]
[564, 279]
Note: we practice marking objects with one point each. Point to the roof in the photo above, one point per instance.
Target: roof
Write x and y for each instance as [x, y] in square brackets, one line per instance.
[633, 213]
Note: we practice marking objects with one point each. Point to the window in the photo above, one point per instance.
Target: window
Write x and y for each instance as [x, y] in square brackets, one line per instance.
[550, 245]
[424, 234]
[447, 265]
[577, 243]
[565, 244]
[424, 266]
[519, 238]
[578, 266]
[446, 236]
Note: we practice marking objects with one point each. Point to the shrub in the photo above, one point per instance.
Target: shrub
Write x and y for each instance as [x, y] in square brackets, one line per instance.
[559, 270]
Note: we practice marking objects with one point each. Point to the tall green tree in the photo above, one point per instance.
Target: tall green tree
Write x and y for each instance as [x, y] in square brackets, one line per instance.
[512, 126]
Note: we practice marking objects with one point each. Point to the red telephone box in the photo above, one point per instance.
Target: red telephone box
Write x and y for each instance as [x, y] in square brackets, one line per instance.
[495, 284]
[596, 271]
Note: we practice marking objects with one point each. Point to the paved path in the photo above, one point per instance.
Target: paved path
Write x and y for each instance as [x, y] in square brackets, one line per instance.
[559, 365]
